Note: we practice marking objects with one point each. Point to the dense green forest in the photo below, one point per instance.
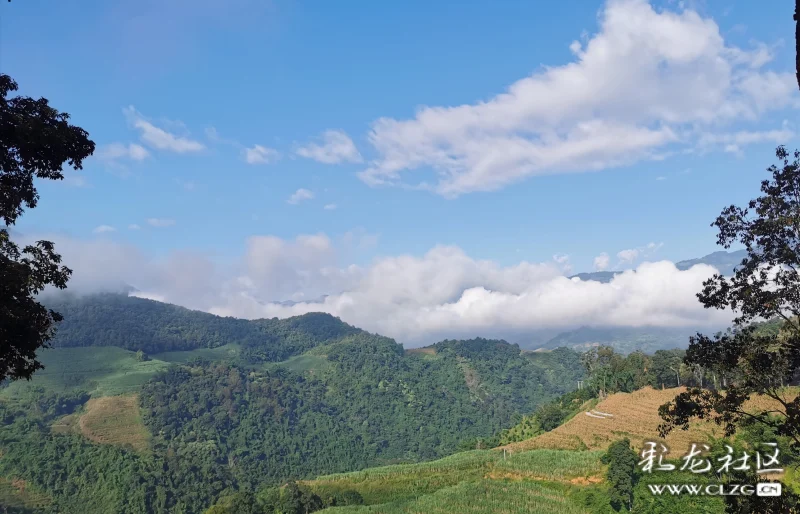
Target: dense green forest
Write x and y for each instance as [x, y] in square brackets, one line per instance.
[138, 324]
[301, 397]
[241, 407]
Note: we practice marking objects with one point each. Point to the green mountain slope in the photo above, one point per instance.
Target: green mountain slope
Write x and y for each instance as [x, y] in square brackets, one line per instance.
[153, 327]
[241, 405]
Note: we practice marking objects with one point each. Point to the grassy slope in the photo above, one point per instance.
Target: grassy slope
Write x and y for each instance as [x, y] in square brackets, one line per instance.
[220, 353]
[304, 363]
[481, 497]
[475, 481]
[544, 474]
[635, 415]
[102, 371]
[112, 420]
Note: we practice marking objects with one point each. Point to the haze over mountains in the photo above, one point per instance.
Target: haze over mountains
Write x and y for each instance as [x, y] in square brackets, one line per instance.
[647, 339]
[723, 261]
[575, 329]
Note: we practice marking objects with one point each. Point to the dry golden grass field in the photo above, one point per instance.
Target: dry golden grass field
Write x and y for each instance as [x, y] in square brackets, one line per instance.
[633, 415]
[109, 420]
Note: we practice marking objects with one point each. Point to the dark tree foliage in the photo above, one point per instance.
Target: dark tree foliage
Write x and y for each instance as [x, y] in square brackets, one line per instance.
[752, 360]
[35, 142]
[152, 327]
[224, 428]
[797, 38]
[621, 460]
[765, 286]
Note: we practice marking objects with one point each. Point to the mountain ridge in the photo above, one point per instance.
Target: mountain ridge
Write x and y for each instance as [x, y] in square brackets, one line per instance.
[724, 261]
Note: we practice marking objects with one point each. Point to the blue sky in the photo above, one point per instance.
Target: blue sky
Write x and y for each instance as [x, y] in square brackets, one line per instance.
[175, 92]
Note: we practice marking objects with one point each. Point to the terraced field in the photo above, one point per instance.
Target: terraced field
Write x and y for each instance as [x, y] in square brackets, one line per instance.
[220, 353]
[109, 420]
[633, 415]
[513, 482]
[101, 371]
[479, 497]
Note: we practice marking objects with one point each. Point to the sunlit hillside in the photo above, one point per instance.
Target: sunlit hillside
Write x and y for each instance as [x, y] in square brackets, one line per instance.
[632, 415]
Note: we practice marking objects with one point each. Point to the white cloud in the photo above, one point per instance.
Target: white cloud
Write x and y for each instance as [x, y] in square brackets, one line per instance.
[649, 82]
[160, 222]
[337, 147]
[416, 299]
[563, 262]
[628, 256]
[134, 226]
[601, 262]
[115, 151]
[733, 142]
[260, 155]
[300, 195]
[330, 207]
[159, 138]
[661, 178]
[103, 229]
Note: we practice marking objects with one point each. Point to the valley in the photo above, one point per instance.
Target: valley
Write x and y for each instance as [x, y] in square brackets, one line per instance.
[360, 423]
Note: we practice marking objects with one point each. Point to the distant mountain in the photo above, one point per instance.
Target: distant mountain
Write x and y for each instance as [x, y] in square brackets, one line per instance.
[622, 339]
[598, 276]
[724, 261]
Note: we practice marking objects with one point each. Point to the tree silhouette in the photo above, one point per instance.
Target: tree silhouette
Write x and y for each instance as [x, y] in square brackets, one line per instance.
[35, 142]
[766, 285]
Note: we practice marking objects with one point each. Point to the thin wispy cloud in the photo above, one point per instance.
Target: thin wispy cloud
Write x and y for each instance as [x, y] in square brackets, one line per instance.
[336, 147]
[300, 195]
[74, 180]
[104, 229]
[160, 222]
[260, 155]
[116, 151]
[159, 138]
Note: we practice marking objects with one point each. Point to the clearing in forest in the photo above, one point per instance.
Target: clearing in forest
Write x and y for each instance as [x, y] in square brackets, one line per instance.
[114, 420]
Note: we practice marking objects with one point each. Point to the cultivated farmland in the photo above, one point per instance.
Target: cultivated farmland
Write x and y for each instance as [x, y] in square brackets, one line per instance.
[114, 420]
[633, 415]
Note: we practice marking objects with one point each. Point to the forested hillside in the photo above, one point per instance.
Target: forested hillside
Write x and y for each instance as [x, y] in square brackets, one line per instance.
[139, 324]
[239, 405]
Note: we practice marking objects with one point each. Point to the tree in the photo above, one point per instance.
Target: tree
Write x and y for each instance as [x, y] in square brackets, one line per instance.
[621, 460]
[749, 361]
[764, 286]
[35, 142]
[665, 368]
